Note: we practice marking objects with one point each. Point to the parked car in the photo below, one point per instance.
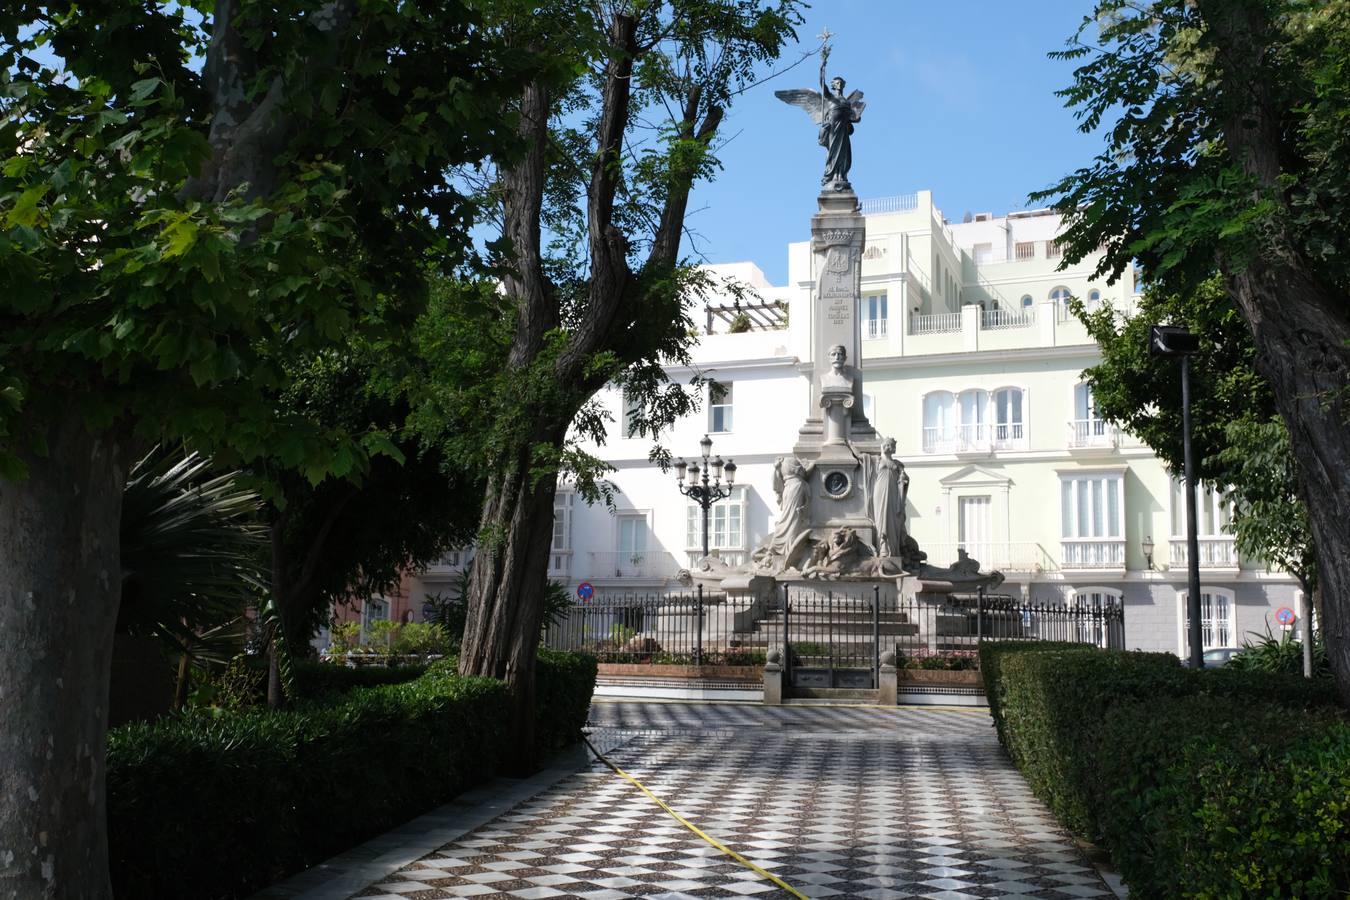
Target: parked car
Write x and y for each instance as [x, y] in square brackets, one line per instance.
[1216, 656]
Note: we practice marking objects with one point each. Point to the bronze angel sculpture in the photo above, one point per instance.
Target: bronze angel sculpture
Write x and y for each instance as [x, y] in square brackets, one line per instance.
[835, 114]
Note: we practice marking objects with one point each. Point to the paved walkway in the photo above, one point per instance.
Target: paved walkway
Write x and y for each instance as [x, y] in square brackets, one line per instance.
[838, 802]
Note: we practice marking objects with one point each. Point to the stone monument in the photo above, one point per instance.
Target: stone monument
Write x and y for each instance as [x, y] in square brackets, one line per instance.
[841, 493]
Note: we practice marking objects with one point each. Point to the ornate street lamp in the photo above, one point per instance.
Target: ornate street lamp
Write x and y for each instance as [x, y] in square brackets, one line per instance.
[1147, 547]
[1174, 341]
[705, 486]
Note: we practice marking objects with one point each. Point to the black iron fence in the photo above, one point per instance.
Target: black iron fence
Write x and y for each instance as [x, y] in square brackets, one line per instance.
[834, 636]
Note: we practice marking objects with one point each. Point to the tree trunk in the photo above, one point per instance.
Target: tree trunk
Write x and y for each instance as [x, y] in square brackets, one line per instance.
[1304, 352]
[506, 610]
[60, 583]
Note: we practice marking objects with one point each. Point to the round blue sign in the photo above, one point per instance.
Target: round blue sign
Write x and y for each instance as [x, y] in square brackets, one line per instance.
[1284, 615]
[585, 591]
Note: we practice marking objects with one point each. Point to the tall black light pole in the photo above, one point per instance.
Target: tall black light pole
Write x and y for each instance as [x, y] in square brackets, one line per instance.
[702, 489]
[1173, 340]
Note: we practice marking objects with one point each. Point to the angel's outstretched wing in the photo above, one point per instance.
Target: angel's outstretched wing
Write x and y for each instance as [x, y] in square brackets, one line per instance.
[807, 99]
[855, 100]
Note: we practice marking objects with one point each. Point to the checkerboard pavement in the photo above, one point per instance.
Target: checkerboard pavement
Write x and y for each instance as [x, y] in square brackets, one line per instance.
[838, 802]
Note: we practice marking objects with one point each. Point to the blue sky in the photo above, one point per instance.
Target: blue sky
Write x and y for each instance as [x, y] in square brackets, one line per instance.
[960, 101]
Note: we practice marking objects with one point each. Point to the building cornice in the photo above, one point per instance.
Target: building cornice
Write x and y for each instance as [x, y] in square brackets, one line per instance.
[736, 365]
[983, 356]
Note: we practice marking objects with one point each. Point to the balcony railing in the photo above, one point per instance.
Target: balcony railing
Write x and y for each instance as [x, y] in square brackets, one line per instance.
[1004, 319]
[730, 557]
[939, 323]
[560, 564]
[875, 328]
[1093, 433]
[1215, 553]
[1092, 553]
[898, 203]
[643, 564]
[1005, 556]
[975, 438]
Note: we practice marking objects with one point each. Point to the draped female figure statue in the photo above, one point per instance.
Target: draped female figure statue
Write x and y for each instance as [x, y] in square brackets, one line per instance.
[790, 476]
[890, 484]
[835, 114]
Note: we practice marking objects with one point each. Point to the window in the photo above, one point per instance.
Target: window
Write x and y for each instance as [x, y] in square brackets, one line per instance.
[1008, 420]
[630, 409]
[1061, 296]
[939, 420]
[876, 316]
[1094, 296]
[632, 537]
[1090, 606]
[375, 609]
[868, 406]
[1023, 250]
[1213, 510]
[719, 406]
[974, 525]
[974, 405]
[1053, 249]
[562, 521]
[1088, 428]
[726, 524]
[1217, 625]
[983, 253]
[1027, 301]
[1090, 506]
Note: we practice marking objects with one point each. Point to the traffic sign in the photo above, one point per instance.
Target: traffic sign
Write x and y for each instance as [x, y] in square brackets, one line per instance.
[585, 591]
[1285, 616]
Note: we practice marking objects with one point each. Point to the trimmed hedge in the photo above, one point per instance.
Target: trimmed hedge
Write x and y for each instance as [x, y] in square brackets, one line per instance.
[1183, 774]
[1221, 797]
[564, 683]
[992, 654]
[311, 678]
[215, 804]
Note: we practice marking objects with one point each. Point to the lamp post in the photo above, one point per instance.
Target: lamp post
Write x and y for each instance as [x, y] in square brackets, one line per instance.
[1174, 341]
[1147, 547]
[705, 485]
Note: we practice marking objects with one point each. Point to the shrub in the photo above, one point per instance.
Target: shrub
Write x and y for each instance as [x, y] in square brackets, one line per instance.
[564, 683]
[313, 679]
[286, 789]
[1221, 797]
[992, 654]
[1267, 653]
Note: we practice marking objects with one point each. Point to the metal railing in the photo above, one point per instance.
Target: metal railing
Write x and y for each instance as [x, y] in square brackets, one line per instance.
[898, 203]
[833, 637]
[876, 328]
[1004, 319]
[1093, 553]
[1215, 553]
[647, 564]
[976, 438]
[1093, 433]
[938, 323]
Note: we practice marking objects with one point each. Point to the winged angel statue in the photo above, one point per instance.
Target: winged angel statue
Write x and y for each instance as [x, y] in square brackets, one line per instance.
[835, 114]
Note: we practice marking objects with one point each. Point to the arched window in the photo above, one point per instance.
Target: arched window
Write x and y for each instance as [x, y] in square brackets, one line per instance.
[1061, 295]
[1094, 612]
[1094, 296]
[1009, 427]
[939, 421]
[974, 417]
[1218, 624]
[1027, 301]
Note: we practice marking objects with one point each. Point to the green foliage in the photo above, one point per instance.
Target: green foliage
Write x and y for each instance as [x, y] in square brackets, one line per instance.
[191, 550]
[564, 684]
[313, 679]
[345, 637]
[1051, 706]
[740, 323]
[1283, 654]
[1221, 797]
[287, 789]
[991, 656]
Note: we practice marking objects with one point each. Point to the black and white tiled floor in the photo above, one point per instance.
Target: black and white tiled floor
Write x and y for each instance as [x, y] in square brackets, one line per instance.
[837, 802]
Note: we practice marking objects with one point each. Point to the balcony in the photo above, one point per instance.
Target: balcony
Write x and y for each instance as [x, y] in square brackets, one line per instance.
[1005, 556]
[939, 323]
[1004, 319]
[642, 565]
[1215, 553]
[1093, 434]
[560, 564]
[975, 438]
[874, 329]
[1092, 553]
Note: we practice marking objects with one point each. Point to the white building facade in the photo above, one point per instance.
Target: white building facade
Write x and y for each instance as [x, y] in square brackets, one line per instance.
[973, 363]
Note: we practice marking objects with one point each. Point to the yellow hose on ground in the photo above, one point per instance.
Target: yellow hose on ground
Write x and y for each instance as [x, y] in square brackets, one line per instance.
[763, 873]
